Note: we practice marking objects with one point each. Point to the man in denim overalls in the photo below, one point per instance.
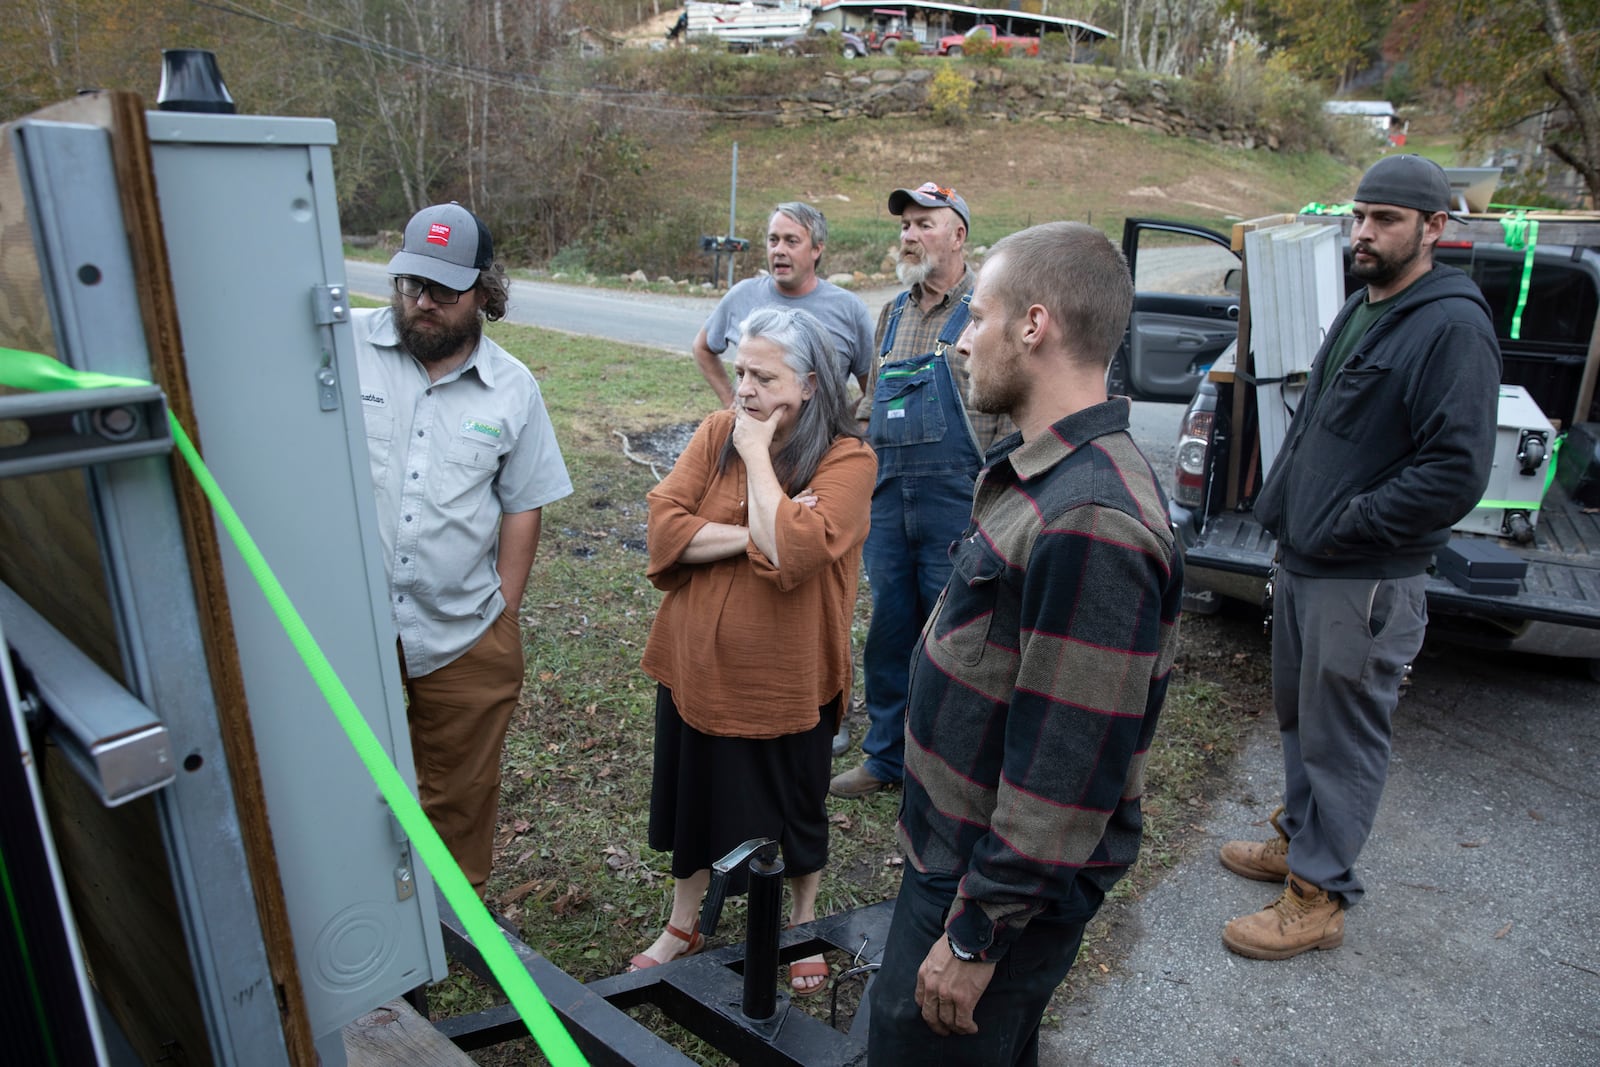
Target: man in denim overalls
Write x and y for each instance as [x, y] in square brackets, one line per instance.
[929, 451]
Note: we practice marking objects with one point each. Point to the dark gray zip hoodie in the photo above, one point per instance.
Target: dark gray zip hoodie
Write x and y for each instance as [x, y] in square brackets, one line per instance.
[1374, 472]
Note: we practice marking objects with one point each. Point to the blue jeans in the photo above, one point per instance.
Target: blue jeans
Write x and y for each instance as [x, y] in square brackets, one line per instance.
[1007, 1014]
[907, 555]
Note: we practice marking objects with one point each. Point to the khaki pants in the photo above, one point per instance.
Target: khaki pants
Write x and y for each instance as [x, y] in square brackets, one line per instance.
[458, 716]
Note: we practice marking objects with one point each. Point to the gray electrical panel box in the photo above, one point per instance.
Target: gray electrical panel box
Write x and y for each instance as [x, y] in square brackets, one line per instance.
[252, 235]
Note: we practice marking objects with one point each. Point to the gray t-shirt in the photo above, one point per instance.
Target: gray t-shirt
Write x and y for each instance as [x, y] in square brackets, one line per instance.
[840, 311]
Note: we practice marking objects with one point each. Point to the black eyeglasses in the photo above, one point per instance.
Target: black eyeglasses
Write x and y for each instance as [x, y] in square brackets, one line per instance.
[408, 286]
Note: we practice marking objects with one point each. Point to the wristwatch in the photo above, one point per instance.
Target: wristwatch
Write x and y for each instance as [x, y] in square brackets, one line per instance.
[958, 952]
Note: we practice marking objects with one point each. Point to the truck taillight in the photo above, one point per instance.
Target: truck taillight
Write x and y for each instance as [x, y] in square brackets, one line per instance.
[1194, 442]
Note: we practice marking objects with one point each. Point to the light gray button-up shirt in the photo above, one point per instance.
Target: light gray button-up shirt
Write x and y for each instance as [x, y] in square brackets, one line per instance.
[448, 459]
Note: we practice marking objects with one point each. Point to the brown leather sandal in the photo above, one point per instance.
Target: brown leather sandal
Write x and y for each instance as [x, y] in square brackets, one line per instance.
[693, 939]
[809, 969]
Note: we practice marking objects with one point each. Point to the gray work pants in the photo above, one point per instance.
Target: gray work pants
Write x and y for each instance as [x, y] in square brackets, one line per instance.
[1339, 650]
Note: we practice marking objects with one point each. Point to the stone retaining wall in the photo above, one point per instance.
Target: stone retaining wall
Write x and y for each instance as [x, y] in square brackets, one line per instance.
[1029, 91]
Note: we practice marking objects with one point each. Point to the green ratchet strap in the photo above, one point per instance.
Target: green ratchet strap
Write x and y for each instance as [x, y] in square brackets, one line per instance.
[1550, 464]
[1521, 232]
[39, 373]
[1315, 208]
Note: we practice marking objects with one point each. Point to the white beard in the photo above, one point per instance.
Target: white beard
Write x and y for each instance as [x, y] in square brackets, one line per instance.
[913, 273]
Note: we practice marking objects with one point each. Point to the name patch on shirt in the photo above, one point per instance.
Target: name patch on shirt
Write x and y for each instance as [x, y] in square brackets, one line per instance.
[481, 430]
[375, 399]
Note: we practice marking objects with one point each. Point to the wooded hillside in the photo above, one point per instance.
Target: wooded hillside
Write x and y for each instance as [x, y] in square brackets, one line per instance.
[489, 101]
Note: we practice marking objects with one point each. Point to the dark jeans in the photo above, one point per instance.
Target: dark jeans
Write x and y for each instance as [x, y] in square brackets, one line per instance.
[1009, 1011]
[907, 556]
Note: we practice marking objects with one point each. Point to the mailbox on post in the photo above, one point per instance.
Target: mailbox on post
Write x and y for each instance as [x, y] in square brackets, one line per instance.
[716, 247]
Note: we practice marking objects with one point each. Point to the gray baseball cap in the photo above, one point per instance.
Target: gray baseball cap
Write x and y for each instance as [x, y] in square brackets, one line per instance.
[447, 244]
[930, 194]
[1407, 181]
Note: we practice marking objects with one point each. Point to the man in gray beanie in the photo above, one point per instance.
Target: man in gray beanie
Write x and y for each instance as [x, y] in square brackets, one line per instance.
[1390, 446]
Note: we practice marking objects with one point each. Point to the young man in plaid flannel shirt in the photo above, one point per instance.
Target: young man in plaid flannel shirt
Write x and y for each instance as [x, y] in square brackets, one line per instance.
[1037, 683]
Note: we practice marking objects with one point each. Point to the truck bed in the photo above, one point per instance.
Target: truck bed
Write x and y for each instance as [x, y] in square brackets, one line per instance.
[1562, 585]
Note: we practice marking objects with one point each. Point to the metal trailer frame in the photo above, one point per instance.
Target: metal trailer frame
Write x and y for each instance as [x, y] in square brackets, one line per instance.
[700, 993]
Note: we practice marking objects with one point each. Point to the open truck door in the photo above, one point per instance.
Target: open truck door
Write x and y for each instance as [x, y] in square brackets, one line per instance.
[1185, 309]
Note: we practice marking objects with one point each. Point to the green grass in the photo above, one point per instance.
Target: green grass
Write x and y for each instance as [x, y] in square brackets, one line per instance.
[572, 869]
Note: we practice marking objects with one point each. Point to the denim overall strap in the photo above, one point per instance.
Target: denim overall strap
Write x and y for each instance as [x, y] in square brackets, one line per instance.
[919, 424]
[894, 325]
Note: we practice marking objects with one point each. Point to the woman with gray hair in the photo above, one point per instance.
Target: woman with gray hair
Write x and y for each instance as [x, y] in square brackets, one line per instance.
[755, 537]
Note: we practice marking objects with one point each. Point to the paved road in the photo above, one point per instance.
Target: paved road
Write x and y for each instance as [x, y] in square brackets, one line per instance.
[655, 319]
[1476, 943]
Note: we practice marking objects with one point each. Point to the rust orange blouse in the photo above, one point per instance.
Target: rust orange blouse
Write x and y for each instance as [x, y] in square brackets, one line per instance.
[749, 649]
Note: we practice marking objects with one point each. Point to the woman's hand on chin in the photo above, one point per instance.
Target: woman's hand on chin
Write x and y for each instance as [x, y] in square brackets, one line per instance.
[752, 435]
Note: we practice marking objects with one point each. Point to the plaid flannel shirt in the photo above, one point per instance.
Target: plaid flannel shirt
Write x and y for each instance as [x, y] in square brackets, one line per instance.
[1038, 682]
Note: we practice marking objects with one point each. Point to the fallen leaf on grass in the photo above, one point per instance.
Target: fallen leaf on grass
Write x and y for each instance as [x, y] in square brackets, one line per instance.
[841, 820]
[522, 826]
[518, 894]
[1502, 932]
[894, 861]
[545, 676]
[588, 743]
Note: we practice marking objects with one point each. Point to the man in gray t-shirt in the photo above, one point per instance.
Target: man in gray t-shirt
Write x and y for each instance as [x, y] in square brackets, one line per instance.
[796, 233]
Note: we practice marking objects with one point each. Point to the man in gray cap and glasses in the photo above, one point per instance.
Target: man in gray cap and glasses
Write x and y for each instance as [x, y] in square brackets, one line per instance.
[463, 458]
[929, 451]
[1390, 446]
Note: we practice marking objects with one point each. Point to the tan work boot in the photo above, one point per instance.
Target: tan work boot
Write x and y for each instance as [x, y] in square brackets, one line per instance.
[1265, 861]
[856, 782]
[1302, 918]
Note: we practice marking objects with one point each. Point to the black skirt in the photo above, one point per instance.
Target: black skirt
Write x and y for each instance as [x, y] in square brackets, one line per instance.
[710, 794]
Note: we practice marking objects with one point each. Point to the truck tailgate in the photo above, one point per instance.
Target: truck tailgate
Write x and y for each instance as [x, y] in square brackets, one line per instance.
[1232, 541]
[1562, 585]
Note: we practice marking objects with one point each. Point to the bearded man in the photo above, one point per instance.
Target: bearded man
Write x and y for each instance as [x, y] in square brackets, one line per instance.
[1390, 446]
[929, 451]
[1037, 686]
[463, 459]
